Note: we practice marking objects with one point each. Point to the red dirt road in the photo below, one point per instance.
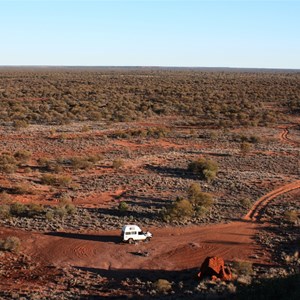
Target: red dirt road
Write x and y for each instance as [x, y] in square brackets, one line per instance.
[170, 248]
[255, 212]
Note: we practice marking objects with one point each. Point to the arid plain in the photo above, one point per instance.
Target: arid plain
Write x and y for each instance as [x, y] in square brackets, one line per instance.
[86, 150]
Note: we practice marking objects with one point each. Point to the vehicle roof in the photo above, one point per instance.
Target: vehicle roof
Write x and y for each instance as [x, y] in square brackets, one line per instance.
[135, 227]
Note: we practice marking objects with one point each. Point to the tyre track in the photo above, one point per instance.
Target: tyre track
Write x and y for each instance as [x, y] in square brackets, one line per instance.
[255, 212]
[284, 136]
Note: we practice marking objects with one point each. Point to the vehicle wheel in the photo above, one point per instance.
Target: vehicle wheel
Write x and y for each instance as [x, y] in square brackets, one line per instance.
[131, 241]
[147, 240]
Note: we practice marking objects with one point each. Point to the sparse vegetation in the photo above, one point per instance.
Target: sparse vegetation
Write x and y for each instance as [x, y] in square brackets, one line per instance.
[8, 163]
[292, 216]
[163, 285]
[123, 206]
[56, 180]
[204, 168]
[11, 243]
[243, 267]
[245, 147]
[118, 163]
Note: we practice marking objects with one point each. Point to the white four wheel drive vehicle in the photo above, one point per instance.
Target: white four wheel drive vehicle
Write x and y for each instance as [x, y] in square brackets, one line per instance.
[133, 233]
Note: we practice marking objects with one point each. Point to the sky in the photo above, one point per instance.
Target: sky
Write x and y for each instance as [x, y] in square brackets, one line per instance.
[244, 34]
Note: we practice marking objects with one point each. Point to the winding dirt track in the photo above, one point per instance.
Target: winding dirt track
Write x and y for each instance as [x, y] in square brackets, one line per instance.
[284, 136]
[255, 212]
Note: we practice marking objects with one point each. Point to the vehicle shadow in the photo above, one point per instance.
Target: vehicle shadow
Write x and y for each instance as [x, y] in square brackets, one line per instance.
[88, 237]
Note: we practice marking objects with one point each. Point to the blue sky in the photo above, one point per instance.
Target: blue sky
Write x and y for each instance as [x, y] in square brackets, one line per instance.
[263, 34]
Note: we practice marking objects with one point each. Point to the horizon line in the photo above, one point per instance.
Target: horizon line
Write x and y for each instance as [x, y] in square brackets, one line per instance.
[147, 66]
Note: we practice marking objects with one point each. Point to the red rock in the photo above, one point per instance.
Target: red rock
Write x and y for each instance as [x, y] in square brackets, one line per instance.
[214, 267]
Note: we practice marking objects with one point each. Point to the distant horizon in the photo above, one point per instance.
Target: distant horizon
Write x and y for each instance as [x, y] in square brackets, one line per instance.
[146, 66]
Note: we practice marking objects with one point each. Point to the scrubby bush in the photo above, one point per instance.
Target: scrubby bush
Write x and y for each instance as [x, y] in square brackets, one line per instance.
[19, 124]
[179, 210]
[11, 243]
[245, 147]
[199, 198]
[162, 285]
[204, 168]
[242, 267]
[292, 216]
[22, 156]
[56, 180]
[23, 188]
[8, 163]
[118, 163]
[18, 209]
[4, 211]
[123, 206]
[246, 203]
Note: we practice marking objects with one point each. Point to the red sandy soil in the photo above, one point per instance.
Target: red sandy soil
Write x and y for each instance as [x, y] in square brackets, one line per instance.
[170, 248]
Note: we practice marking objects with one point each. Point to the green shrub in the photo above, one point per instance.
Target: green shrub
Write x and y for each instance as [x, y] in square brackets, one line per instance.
[246, 203]
[123, 206]
[199, 198]
[81, 163]
[34, 209]
[180, 209]
[205, 168]
[11, 243]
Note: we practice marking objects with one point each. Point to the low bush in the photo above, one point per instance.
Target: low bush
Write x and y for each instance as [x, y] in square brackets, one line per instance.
[245, 147]
[246, 203]
[5, 211]
[118, 163]
[199, 198]
[292, 216]
[11, 243]
[162, 285]
[179, 210]
[242, 267]
[204, 168]
[22, 189]
[22, 156]
[8, 163]
[56, 180]
[123, 206]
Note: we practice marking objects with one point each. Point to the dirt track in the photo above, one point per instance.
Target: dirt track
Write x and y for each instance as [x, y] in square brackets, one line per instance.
[255, 212]
[284, 136]
[170, 249]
